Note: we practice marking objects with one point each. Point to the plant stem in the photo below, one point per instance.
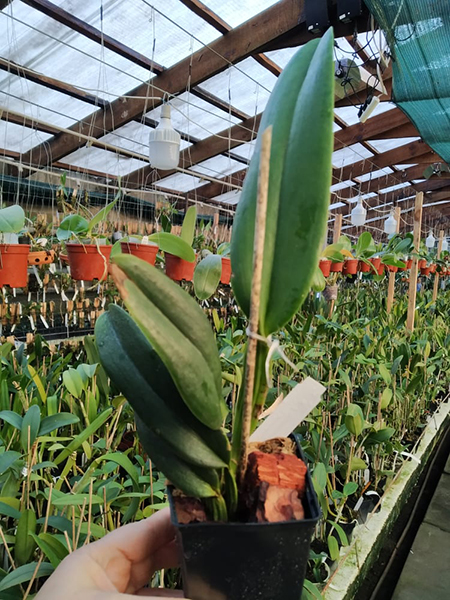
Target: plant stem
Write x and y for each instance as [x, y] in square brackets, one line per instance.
[258, 259]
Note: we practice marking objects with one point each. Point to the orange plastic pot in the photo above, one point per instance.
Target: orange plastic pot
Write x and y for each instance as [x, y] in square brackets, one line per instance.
[225, 278]
[42, 257]
[325, 267]
[146, 252]
[425, 271]
[336, 267]
[350, 266]
[364, 267]
[433, 268]
[380, 269]
[88, 261]
[392, 269]
[422, 264]
[14, 265]
[178, 269]
[376, 262]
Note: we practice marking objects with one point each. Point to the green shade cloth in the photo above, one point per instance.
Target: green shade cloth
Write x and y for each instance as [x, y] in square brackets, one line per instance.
[418, 34]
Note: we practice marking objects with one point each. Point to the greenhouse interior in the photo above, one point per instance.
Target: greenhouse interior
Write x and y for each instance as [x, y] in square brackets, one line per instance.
[225, 293]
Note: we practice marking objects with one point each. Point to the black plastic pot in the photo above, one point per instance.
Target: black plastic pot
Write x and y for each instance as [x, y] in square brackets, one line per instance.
[247, 561]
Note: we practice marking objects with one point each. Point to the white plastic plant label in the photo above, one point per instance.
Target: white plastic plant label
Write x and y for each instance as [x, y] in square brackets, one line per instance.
[291, 412]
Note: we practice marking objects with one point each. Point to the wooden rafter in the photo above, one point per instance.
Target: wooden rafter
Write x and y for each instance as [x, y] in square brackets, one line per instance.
[238, 44]
[62, 16]
[205, 13]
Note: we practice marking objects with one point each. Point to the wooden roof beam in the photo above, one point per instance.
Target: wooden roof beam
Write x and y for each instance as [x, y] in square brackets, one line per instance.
[237, 44]
[62, 16]
[205, 13]
[400, 155]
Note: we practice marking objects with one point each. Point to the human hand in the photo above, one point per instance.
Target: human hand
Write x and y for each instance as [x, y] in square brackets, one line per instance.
[118, 566]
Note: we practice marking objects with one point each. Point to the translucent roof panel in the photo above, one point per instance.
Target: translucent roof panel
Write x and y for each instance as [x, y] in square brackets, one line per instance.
[235, 12]
[38, 102]
[350, 155]
[341, 185]
[391, 143]
[246, 86]
[374, 174]
[164, 30]
[392, 188]
[18, 138]
[180, 182]
[245, 150]
[231, 197]
[195, 117]
[349, 114]
[31, 39]
[218, 166]
[104, 161]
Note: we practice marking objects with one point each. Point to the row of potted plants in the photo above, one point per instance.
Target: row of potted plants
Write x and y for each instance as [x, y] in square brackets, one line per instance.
[367, 257]
[88, 252]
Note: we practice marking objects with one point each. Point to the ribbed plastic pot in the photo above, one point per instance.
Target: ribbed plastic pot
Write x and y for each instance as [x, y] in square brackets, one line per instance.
[350, 266]
[237, 561]
[336, 267]
[422, 263]
[381, 269]
[376, 262]
[325, 267]
[88, 261]
[178, 269]
[425, 271]
[146, 252]
[364, 267]
[225, 277]
[392, 269]
[433, 268]
[14, 265]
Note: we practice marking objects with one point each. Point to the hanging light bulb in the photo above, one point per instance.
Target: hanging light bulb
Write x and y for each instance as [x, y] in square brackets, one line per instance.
[390, 225]
[430, 241]
[444, 245]
[164, 143]
[358, 215]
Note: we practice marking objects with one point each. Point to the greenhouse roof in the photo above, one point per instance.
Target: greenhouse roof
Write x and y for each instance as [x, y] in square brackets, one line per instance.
[81, 85]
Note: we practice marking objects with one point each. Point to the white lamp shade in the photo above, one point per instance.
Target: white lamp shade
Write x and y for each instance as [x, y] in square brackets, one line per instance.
[358, 215]
[164, 143]
[445, 245]
[390, 225]
[430, 241]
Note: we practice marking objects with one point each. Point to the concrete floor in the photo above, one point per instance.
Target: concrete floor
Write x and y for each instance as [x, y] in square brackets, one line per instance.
[426, 574]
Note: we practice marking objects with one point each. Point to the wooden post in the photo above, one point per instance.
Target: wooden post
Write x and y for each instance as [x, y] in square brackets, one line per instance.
[337, 228]
[391, 288]
[414, 268]
[216, 225]
[438, 256]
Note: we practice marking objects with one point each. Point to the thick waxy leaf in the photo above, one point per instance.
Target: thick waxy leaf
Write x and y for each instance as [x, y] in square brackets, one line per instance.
[72, 225]
[140, 374]
[188, 228]
[53, 422]
[25, 544]
[101, 215]
[300, 109]
[30, 427]
[12, 219]
[180, 333]
[25, 573]
[173, 245]
[207, 276]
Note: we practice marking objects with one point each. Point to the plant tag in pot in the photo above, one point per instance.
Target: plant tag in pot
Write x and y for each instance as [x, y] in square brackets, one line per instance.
[145, 240]
[293, 410]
